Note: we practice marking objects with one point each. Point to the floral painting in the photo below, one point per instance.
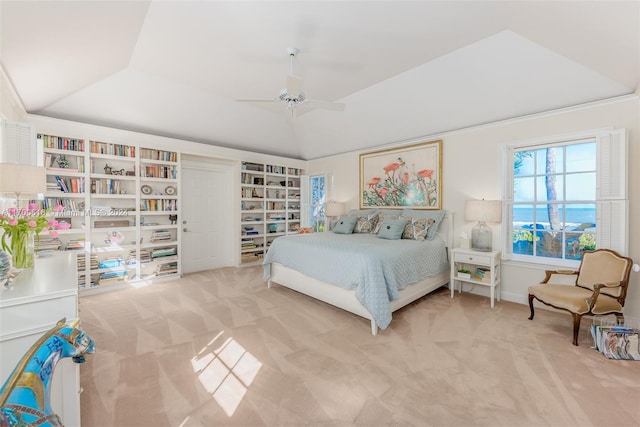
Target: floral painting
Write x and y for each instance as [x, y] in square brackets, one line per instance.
[402, 177]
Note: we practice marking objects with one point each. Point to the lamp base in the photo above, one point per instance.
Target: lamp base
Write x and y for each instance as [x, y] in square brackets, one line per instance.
[481, 238]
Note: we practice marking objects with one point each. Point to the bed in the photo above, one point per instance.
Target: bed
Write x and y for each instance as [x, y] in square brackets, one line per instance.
[360, 273]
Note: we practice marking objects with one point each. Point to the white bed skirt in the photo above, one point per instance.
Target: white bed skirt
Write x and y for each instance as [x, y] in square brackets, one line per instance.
[346, 298]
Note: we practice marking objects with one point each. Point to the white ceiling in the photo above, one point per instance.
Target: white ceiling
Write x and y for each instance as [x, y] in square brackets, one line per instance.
[403, 69]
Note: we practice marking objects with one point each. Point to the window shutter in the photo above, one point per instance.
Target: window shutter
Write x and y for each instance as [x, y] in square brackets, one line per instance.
[612, 207]
[612, 158]
[507, 197]
[612, 219]
[17, 143]
[305, 220]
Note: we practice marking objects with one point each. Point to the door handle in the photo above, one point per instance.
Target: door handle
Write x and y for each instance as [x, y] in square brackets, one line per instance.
[185, 229]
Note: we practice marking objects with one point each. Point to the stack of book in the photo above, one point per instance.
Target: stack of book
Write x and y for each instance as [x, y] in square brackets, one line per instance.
[160, 236]
[53, 186]
[167, 268]
[46, 243]
[112, 262]
[113, 277]
[145, 257]
[75, 244]
[163, 254]
[116, 273]
[251, 257]
[248, 244]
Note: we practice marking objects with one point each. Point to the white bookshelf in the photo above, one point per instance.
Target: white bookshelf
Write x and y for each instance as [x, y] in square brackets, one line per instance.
[270, 207]
[127, 235]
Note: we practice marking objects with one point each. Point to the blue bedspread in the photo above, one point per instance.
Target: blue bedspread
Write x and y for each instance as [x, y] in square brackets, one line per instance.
[376, 268]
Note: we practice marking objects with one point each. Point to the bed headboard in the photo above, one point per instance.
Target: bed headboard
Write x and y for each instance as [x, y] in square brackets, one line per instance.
[445, 231]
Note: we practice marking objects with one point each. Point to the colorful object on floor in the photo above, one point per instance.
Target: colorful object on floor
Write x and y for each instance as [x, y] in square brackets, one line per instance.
[25, 396]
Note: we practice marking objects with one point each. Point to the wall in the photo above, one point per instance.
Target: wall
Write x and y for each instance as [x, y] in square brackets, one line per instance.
[472, 169]
[10, 106]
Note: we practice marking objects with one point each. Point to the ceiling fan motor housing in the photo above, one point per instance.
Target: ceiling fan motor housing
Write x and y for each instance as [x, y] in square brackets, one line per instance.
[291, 100]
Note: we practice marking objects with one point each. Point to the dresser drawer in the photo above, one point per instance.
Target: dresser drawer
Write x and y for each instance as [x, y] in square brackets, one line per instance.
[472, 259]
[23, 319]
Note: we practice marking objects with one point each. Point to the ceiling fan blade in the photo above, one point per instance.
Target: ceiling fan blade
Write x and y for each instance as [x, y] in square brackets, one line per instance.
[257, 100]
[294, 85]
[325, 105]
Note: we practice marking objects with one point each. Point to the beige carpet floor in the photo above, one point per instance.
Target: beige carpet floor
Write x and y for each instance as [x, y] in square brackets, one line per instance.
[218, 348]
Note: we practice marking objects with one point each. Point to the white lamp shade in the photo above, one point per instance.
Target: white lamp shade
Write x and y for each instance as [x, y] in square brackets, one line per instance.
[483, 210]
[22, 179]
[334, 209]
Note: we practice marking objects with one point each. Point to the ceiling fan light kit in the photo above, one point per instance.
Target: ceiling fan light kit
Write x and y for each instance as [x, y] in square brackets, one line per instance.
[292, 95]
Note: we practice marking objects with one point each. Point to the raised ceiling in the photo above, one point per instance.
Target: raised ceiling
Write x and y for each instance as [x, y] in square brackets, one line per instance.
[403, 69]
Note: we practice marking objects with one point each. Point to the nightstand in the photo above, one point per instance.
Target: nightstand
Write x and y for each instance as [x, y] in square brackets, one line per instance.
[486, 264]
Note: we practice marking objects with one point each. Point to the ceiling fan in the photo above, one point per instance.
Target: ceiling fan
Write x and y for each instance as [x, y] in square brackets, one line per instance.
[294, 98]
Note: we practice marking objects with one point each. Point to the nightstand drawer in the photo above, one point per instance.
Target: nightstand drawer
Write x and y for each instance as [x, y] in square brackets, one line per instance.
[476, 259]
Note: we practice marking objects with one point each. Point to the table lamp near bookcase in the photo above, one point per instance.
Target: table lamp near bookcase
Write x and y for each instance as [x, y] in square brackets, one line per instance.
[21, 180]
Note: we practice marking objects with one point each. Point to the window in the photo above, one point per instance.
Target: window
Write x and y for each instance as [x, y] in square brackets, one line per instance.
[314, 200]
[565, 195]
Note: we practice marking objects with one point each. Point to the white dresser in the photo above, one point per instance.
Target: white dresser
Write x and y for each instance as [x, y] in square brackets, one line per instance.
[39, 298]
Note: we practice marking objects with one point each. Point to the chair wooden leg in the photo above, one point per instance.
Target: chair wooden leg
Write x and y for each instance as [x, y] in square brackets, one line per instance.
[620, 318]
[531, 306]
[576, 327]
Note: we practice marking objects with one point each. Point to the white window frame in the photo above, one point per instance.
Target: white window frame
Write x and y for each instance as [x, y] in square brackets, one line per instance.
[612, 202]
[305, 195]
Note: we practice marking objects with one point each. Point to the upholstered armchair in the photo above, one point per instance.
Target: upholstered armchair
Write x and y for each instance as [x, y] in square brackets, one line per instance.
[599, 286]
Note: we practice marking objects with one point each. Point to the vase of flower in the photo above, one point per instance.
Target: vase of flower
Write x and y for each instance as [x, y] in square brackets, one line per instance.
[22, 249]
[21, 226]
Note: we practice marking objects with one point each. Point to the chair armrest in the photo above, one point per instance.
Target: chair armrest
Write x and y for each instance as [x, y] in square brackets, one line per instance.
[549, 273]
[591, 301]
[609, 284]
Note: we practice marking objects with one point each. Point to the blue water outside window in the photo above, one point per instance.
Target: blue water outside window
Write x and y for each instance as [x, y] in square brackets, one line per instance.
[554, 205]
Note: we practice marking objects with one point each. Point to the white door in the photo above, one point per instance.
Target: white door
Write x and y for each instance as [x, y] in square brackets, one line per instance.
[206, 216]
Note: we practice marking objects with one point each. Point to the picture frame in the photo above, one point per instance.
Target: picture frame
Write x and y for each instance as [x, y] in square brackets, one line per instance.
[403, 177]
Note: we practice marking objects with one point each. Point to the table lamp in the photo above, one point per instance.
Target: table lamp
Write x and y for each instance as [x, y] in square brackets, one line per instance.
[333, 210]
[482, 211]
[22, 179]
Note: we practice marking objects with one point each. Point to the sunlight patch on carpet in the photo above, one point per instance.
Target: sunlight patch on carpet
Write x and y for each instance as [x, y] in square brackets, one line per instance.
[226, 370]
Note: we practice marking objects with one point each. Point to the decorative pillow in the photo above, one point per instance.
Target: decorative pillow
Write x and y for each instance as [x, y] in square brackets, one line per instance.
[417, 228]
[392, 229]
[345, 225]
[366, 223]
[382, 216]
[437, 216]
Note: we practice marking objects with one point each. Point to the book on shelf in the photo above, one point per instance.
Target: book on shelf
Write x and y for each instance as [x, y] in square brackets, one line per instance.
[166, 156]
[61, 143]
[145, 257]
[46, 243]
[163, 253]
[483, 274]
[112, 280]
[167, 268]
[160, 236]
[75, 244]
[112, 262]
